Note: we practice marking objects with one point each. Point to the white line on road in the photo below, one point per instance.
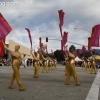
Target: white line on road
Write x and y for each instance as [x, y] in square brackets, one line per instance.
[94, 91]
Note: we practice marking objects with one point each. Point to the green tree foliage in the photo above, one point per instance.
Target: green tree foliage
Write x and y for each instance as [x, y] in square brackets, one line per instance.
[59, 55]
[88, 54]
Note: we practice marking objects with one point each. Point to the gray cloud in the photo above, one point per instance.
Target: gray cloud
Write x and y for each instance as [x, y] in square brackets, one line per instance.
[41, 16]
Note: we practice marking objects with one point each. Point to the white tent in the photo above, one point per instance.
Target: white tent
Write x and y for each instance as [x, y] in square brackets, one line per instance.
[77, 59]
[28, 57]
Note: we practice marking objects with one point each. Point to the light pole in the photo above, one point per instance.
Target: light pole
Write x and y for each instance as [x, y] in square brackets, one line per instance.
[82, 29]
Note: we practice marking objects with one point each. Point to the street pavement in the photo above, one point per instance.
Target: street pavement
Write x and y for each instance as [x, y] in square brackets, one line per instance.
[49, 86]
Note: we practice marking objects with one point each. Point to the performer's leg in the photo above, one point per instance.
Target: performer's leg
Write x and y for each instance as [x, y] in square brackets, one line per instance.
[91, 71]
[74, 74]
[17, 76]
[11, 81]
[67, 82]
[37, 70]
[94, 67]
[43, 69]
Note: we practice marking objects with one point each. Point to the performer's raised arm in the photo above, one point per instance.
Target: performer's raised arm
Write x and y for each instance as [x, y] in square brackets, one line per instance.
[7, 47]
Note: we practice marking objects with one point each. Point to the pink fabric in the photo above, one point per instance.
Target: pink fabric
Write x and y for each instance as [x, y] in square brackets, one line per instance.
[64, 39]
[78, 53]
[5, 28]
[61, 19]
[2, 50]
[60, 30]
[29, 34]
[95, 36]
[83, 50]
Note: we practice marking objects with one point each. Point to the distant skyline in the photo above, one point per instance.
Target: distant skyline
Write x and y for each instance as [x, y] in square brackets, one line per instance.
[41, 17]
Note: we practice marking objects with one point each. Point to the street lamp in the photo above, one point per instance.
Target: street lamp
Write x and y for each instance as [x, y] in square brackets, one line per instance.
[82, 29]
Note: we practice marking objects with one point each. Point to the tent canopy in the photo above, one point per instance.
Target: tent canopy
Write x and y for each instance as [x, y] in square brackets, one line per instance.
[77, 59]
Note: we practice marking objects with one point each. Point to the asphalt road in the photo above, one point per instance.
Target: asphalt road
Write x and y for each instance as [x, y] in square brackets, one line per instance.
[49, 86]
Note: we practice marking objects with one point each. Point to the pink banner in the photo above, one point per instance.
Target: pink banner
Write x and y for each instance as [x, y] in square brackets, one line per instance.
[61, 20]
[78, 53]
[5, 28]
[29, 34]
[2, 50]
[95, 36]
[83, 50]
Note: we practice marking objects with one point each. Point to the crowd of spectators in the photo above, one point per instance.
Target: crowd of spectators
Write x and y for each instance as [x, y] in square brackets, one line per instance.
[5, 62]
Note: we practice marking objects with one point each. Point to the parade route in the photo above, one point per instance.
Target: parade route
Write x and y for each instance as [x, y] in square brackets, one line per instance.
[94, 91]
[49, 86]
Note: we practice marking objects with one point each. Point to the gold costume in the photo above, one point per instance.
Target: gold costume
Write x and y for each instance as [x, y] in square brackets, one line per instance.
[88, 65]
[71, 67]
[36, 65]
[45, 66]
[36, 70]
[83, 64]
[55, 64]
[50, 65]
[16, 59]
[66, 67]
[93, 67]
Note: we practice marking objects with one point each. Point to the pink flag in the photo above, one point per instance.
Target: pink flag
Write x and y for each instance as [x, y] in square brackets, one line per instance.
[78, 53]
[60, 30]
[5, 28]
[83, 50]
[29, 34]
[61, 19]
[64, 39]
[95, 36]
[2, 50]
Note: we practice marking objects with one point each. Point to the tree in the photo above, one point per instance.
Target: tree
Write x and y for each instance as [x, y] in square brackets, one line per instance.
[59, 55]
[88, 54]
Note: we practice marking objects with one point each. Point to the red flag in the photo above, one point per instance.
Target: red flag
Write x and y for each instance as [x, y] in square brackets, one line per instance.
[65, 37]
[5, 28]
[78, 53]
[61, 18]
[95, 36]
[2, 50]
[83, 50]
[29, 34]
[89, 43]
[61, 45]
[60, 30]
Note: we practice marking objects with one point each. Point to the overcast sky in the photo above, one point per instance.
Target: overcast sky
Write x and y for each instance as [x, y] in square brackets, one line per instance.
[41, 17]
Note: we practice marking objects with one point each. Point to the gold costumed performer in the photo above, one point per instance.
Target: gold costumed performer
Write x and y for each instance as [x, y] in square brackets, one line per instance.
[16, 59]
[66, 65]
[88, 64]
[36, 64]
[55, 63]
[50, 64]
[44, 64]
[93, 66]
[83, 64]
[71, 66]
